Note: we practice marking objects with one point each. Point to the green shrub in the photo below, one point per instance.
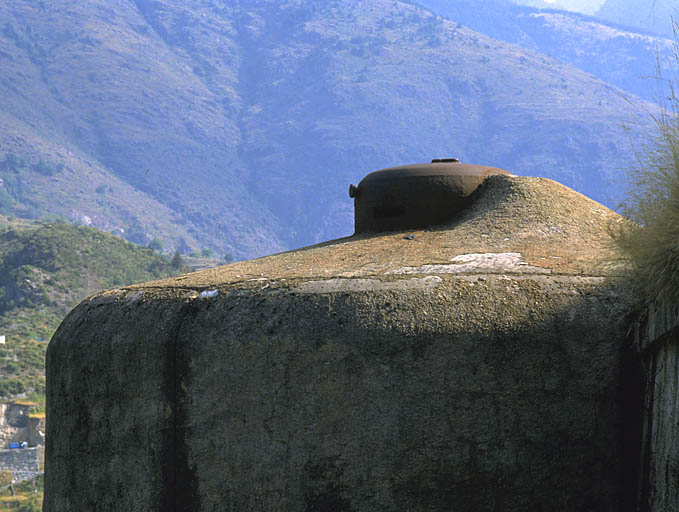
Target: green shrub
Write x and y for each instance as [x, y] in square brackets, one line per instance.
[47, 169]
[177, 261]
[34, 504]
[13, 163]
[10, 387]
[156, 245]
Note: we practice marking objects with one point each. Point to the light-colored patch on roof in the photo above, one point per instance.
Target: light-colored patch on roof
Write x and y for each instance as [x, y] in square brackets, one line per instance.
[487, 262]
[360, 285]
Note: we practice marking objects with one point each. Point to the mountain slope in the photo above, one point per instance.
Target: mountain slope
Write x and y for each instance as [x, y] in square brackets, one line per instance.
[616, 54]
[582, 6]
[653, 16]
[239, 126]
[412, 86]
[106, 84]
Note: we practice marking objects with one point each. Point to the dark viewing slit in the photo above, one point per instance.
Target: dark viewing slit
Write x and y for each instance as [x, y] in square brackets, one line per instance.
[389, 211]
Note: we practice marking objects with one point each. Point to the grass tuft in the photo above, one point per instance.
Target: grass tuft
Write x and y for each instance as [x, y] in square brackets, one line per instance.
[653, 201]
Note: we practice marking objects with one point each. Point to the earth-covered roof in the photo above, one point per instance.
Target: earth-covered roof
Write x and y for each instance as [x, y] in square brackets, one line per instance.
[516, 225]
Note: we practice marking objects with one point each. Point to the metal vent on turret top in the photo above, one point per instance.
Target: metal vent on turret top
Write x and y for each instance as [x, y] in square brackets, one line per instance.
[415, 196]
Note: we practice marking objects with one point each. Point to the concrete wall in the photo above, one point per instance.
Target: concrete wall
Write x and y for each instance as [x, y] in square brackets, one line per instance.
[473, 393]
[20, 459]
[657, 338]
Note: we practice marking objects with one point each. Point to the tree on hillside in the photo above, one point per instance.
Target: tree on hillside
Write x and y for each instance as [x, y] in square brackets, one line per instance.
[177, 261]
[156, 245]
[653, 200]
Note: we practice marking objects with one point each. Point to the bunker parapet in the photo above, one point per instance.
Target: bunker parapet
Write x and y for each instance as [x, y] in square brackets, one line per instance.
[478, 365]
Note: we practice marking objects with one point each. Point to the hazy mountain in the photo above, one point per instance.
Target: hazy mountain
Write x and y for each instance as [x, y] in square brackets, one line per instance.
[582, 6]
[239, 126]
[144, 142]
[651, 15]
[621, 56]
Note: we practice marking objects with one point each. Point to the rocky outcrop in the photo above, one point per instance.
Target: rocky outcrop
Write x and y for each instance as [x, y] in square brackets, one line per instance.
[16, 424]
[478, 366]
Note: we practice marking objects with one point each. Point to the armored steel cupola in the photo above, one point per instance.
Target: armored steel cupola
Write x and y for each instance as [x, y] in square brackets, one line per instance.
[415, 196]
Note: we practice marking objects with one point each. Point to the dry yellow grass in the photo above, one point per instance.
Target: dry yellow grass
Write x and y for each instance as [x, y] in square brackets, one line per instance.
[551, 226]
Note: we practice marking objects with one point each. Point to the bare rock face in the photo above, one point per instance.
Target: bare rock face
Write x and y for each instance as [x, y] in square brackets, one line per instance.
[16, 425]
[477, 366]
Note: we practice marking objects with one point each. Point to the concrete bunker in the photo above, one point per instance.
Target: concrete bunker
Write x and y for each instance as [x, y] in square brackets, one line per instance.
[479, 365]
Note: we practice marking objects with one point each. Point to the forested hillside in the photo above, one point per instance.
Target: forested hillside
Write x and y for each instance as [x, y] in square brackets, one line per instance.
[45, 269]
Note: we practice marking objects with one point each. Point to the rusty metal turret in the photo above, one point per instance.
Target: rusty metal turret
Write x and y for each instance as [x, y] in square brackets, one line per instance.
[415, 196]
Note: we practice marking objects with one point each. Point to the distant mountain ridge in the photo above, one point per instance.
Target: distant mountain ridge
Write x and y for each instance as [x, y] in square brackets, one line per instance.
[612, 51]
[654, 16]
[240, 126]
[582, 6]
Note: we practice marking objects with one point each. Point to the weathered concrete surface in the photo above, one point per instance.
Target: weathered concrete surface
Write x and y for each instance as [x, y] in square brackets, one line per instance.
[658, 342]
[112, 406]
[324, 379]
